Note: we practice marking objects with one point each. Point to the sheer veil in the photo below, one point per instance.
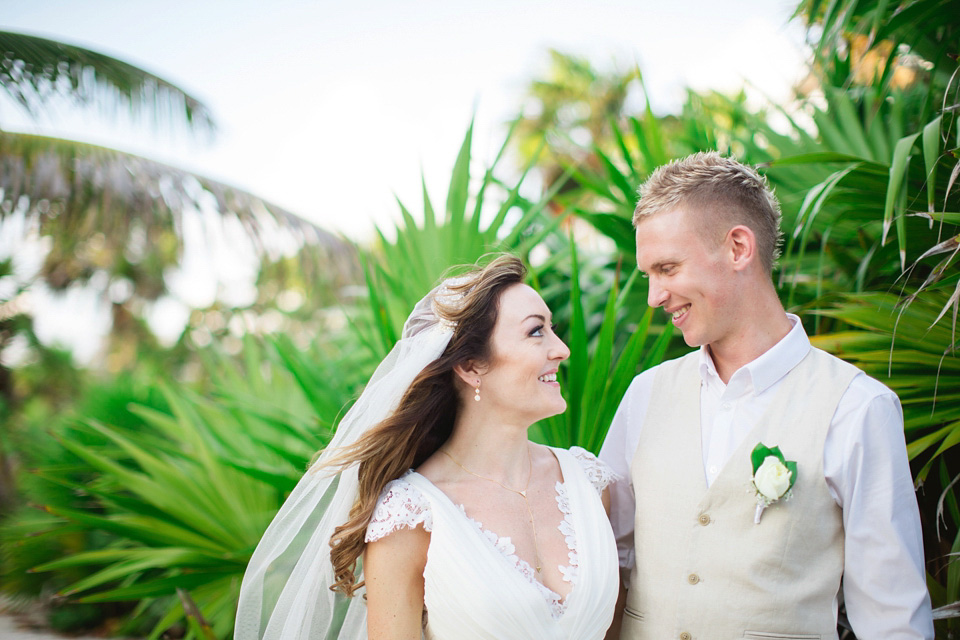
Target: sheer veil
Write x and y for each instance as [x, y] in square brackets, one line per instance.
[285, 594]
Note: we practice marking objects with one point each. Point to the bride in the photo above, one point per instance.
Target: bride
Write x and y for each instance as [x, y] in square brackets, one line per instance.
[431, 503]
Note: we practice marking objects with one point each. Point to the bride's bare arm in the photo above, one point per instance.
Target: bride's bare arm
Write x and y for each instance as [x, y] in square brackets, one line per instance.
[393, 571]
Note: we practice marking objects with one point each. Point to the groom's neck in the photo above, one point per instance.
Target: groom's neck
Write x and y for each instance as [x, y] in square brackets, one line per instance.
[748, 340]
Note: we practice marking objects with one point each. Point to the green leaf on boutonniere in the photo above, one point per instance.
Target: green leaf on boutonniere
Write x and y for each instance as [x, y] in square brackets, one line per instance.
[792, 466]
[759, 454]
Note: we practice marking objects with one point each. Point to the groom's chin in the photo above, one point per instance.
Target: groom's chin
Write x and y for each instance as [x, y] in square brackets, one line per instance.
[691, 340]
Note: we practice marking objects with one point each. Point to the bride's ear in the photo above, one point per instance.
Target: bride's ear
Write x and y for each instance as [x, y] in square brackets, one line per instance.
[469, 372]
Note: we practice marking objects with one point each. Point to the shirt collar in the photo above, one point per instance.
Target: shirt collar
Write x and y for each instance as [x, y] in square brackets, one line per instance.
[770, 366]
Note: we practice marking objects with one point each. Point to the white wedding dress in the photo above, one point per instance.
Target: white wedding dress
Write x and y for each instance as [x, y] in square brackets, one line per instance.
[475, 587]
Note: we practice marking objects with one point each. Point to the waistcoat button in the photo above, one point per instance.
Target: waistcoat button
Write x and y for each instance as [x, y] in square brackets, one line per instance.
[686, 636]
[693, 578]
[704, 519]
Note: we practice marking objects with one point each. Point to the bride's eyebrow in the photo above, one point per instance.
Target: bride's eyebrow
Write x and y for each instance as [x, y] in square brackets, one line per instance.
[537, 316]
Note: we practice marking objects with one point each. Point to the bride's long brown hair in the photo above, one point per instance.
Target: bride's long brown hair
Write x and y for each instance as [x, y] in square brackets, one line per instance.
[424, 418]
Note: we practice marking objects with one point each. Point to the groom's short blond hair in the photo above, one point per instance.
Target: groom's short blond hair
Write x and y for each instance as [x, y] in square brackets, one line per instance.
[719, 193]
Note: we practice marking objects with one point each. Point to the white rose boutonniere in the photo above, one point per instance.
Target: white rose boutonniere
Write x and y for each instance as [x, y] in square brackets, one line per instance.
[773, 477]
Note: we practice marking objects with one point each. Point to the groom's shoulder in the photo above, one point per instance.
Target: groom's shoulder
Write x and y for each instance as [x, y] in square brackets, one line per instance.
[862, 385]
[835, 365]
[689, 360]
[643, 382]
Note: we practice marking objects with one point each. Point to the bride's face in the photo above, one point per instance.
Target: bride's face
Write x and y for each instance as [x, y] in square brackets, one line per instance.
[520, 381]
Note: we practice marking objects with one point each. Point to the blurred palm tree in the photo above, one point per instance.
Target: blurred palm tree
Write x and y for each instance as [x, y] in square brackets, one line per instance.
[108, 220]
[569, 112]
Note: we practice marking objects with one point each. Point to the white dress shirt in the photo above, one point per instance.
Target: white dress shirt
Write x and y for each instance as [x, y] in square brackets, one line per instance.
[864, 464]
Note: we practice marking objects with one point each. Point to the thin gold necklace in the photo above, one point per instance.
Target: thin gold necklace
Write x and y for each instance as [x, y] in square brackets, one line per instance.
[522, 494]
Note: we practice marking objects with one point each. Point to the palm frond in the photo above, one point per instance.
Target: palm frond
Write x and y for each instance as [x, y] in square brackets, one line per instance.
[905, 347]
[134, 206]
[34, 71]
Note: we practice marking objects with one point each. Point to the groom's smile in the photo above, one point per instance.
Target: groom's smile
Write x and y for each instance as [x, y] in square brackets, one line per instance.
[679, 313]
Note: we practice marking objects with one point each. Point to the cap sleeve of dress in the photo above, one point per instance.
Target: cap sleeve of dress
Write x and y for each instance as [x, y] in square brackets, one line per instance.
[598, 472]
[400, 506]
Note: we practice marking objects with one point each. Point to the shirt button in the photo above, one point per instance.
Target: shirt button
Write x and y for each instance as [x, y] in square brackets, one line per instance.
[713, 470]
[686, 636]
[693, 578]
[726, 406]
[704, 519]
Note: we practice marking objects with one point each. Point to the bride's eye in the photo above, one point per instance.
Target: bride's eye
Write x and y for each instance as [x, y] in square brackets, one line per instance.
[537, 332]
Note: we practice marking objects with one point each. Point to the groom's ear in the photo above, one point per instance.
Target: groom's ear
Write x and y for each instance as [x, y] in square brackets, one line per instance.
[742, 245]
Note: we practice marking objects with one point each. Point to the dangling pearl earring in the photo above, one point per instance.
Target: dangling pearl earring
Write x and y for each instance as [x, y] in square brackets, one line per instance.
[477, 392]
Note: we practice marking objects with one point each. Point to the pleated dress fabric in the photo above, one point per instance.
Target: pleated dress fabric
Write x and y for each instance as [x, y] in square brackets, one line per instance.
[475, 592]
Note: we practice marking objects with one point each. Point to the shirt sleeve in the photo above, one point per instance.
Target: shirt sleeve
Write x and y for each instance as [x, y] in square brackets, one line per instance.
[867, 471]
[617, 452]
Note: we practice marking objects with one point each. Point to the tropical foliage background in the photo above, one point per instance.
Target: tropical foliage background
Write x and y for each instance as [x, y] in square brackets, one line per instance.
[133, 493]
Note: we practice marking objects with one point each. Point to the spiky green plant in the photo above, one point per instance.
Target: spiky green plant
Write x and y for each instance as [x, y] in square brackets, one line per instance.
[186, 499]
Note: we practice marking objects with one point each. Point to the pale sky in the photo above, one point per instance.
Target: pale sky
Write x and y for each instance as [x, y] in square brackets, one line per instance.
[328, 107]
[331, 108]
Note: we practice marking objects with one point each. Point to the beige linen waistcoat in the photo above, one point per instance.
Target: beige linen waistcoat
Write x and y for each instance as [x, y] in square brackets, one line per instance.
[704, 570]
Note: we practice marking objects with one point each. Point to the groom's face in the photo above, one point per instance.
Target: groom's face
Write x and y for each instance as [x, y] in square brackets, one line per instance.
[687, 275]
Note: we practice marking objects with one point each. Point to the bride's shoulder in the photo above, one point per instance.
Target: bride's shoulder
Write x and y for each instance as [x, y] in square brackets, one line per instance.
[401, 505]
[597, 471]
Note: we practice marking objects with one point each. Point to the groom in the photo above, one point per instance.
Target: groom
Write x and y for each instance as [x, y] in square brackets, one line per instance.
[704, 562]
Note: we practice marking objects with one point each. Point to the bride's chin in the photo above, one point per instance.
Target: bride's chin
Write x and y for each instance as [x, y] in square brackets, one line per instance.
[560, 408]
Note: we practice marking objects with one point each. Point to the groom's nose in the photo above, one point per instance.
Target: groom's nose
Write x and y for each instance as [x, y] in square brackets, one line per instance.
[656, 294]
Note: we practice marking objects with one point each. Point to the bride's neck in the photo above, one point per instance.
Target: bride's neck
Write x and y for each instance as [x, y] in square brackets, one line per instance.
[493, 450]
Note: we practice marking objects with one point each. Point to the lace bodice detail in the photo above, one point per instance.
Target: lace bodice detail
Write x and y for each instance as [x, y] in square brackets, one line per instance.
[401, 505]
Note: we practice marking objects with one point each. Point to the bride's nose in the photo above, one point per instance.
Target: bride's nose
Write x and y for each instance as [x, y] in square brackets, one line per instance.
[559, 350]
